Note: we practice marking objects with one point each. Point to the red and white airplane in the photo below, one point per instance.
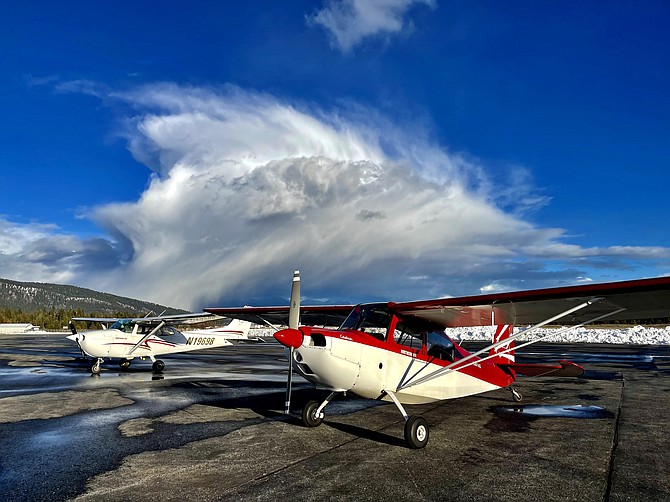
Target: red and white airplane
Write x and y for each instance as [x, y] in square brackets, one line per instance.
[148, 337]
[399, 352]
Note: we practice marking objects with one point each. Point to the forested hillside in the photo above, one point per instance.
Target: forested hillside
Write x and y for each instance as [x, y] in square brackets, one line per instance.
[52, 305]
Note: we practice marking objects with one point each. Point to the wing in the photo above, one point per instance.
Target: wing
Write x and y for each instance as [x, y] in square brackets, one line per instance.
[626, 301]
[317, 315]
[96, 319]
[173, 319]
[169, 319]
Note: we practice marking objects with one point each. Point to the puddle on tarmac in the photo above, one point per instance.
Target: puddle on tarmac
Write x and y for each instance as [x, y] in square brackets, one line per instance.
[554, 411]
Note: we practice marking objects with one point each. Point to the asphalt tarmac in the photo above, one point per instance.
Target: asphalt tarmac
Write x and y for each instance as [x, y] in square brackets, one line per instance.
[211, 428]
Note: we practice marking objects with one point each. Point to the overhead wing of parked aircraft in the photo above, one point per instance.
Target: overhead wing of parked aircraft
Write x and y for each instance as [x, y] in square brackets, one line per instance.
[399, 351]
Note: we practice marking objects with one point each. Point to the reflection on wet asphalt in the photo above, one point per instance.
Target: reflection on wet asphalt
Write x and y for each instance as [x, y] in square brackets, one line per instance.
[548, 411]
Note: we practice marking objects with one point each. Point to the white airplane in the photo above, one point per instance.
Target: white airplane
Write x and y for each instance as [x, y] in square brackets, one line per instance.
[148, 337]
[399, 351]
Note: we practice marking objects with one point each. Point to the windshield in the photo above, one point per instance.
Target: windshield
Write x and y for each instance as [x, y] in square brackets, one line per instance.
[124, 325]
[367, 316]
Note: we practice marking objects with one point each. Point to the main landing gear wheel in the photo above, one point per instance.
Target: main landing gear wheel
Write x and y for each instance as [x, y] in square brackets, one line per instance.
[124, 364]
[416, 432]
[95, 369]
[158, 366]
[309, 417]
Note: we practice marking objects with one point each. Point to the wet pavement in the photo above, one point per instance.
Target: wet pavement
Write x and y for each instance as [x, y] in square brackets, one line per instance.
[210, 427]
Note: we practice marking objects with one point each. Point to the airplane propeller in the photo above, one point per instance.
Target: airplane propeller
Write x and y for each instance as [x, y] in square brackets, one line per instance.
[291, 337]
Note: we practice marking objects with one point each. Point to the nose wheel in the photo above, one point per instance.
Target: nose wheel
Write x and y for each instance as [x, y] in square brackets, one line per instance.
[310, 417]
[95, 369]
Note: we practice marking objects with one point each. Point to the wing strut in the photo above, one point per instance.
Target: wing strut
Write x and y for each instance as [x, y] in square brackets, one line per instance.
[525, 331]
[458, 365]
[152, 332]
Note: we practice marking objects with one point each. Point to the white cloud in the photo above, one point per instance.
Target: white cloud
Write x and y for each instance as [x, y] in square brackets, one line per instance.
[351, 21]
[248, 188]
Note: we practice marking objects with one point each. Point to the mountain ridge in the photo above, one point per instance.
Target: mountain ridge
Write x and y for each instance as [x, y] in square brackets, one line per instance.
[34, 296]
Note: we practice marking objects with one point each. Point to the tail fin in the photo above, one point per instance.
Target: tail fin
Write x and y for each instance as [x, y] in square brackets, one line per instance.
[239, 327]
[505, 352]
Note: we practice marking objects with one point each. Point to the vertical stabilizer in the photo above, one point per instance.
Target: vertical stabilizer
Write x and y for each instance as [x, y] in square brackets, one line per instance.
[505, 352]
[239, 327]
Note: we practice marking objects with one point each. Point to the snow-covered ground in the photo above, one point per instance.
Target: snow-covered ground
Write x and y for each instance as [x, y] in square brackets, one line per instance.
[632, 335]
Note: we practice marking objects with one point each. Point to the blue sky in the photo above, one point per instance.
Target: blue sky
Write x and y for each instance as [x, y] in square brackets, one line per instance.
[195, 153]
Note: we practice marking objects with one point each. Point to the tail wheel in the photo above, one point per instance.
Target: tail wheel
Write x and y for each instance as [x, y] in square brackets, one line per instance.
[309, 417]
[516, 396]
[158, 366]
[416, 432]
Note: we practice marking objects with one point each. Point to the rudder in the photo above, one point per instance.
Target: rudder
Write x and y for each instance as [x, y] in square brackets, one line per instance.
[504, 353]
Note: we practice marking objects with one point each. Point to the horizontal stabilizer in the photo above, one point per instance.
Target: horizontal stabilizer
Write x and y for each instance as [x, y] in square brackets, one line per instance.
[562, 369]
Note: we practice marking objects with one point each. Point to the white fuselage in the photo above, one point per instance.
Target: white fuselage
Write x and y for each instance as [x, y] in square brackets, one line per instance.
[115, 343]
[112, 343]
[348, 366]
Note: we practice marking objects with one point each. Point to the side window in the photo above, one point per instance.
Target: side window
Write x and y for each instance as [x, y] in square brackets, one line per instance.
[404, 336]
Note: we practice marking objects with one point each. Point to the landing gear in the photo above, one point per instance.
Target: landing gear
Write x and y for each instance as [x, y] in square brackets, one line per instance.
[309, 415]
[416, 432]
[516, 396]
[312, 413]
[158, 366]
[95, 369]
[124, 364]
[416, 427]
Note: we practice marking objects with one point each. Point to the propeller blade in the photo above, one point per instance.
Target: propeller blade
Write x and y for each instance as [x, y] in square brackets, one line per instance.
[293, 323]
[294, 308]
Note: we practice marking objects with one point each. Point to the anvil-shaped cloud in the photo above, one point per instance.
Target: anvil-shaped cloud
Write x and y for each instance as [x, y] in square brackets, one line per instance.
[247, 187]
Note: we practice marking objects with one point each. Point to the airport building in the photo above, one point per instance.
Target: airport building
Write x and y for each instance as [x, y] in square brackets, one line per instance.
[17, 328]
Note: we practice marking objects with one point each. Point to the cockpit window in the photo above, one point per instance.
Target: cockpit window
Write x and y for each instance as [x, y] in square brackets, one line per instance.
[168, 331]
[124, 325]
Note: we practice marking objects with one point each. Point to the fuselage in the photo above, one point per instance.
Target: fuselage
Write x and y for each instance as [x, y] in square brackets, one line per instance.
[115, 343]
[368, 364]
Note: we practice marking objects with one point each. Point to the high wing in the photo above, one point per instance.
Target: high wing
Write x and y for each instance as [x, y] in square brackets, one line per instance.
[150, 321]
[316, 315]
[571, 305]
[614, 301]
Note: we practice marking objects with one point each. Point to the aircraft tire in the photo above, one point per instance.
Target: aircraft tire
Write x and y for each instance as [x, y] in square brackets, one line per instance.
[516, 396]
[158, 366]
[95, 369]
[124, 364]
[416, 432]
[308, 414]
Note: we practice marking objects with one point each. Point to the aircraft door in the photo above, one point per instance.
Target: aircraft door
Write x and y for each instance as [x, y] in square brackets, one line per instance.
[371, 380]
[108, 339]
